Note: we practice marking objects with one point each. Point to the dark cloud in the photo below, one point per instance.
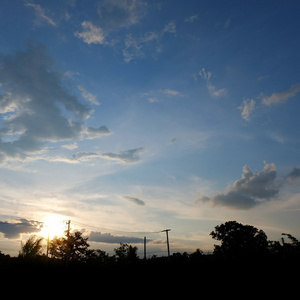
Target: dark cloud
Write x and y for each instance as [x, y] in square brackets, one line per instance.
[294, 174]
[35, 105]
[249, 191]
[108, 238]
[97, 132]
[135, 200]
[13, 228]
[128, 156]
[38, 109]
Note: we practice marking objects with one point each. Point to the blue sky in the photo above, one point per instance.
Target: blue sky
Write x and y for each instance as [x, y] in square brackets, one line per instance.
[133, 116]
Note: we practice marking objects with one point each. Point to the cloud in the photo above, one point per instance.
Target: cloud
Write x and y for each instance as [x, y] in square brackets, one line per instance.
[134, 200]
[170, 27]
[35, 106]
[293, 175]
[13, 228]
[93, 133]
[113, 15]
[249, 191]
[88, 96]
[191, 19]
[91, 34]
[206, 75]
[281, 97]
[247, 108]
[133, 48]
[40, 13]
[171, 92]
[108, 238]
[128, 156]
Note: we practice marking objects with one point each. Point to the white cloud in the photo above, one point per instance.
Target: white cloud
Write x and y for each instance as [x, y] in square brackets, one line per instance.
[70, 146]
[247, 108]
[171, 92]
[133, 48]
[281, 97]
[191, 19]
[116, 14]
[88, 96]
[113, 15]
[91, 34]
[170, 27]
[153, 99]
[206, 75]
[40, 14]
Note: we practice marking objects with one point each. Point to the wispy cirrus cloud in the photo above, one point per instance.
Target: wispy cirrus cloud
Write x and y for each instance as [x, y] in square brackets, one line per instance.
[250, 105]
[247, 108]
[281, 97]
[41, 16]
[214, 92]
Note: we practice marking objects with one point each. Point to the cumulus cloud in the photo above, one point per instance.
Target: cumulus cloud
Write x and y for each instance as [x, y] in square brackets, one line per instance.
[214, 92]
[13, 228]
[35, 106]
[108, 238]
[135, 200]
[128, 156]
[247, 108]
[251, 190]
[281, 97]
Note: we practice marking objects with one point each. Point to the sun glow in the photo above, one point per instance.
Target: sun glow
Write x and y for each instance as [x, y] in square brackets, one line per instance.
[53, 226]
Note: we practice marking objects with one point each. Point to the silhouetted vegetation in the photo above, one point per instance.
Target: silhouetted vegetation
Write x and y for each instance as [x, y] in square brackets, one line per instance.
[242, 248]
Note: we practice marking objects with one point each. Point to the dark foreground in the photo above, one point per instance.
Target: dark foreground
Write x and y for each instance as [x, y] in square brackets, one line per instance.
[209, 274]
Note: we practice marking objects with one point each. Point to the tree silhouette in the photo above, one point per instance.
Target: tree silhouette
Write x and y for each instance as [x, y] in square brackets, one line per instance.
[32, 247]
[126, 253]
[73, 248]
[238, 240]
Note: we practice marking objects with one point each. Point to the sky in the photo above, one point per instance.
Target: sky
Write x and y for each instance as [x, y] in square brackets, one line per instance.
[129, 117]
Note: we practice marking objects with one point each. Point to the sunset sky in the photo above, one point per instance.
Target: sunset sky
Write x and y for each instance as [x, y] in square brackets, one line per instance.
[128, 117]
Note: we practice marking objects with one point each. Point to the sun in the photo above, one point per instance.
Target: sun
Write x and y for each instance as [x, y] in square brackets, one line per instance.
[53, 226]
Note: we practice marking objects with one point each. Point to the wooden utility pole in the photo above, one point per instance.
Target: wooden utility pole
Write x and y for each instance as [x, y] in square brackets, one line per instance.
[145, 241]
[68, 230]
[167, 230]
[68, 242]
[48, 244]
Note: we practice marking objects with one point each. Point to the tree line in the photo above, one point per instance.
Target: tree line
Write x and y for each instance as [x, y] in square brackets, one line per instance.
[237, 242]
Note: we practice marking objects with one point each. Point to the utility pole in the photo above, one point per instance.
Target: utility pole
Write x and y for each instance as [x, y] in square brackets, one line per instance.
[48, 244]
[167, 230]
[68, 230]
[68, 242]
[145, 256]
